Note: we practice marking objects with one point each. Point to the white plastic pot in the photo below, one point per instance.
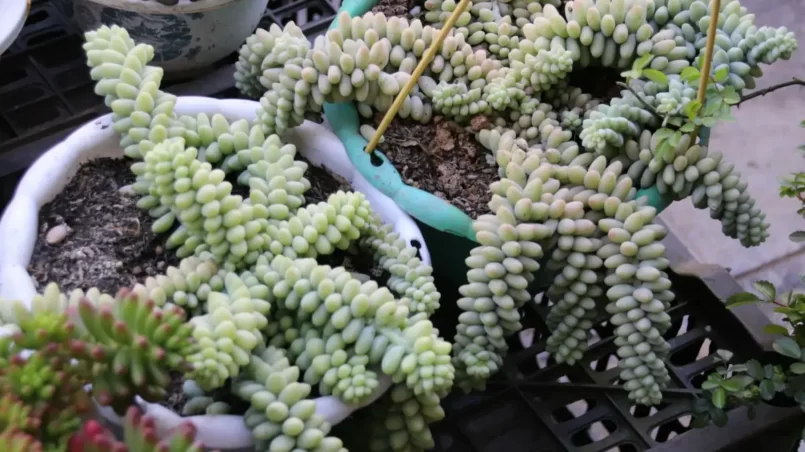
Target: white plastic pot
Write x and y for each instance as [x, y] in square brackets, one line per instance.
[12, 19]
[53, 171]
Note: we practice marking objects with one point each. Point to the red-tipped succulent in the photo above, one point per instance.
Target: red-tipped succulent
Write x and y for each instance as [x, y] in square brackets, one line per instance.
[17, 441]
[139, 435]
[134, 346]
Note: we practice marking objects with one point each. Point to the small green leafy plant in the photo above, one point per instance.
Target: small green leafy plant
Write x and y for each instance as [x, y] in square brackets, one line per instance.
[719, 99]
[747, 384]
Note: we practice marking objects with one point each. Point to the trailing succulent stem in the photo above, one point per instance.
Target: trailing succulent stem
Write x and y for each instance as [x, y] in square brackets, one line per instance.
[249, 277]
[570, 163]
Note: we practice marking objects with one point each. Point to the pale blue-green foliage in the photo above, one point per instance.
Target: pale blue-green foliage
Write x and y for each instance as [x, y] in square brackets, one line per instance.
[250, 264]
[332, 311]
[282, 417]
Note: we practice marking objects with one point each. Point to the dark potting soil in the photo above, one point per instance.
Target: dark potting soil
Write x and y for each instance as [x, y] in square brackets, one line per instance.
[109, 244]
[401, 8]
[322, 183]
[176, 397]
[601, 82]
[443, 159]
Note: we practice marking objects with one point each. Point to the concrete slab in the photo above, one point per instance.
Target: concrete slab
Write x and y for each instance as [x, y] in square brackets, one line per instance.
[762, 144]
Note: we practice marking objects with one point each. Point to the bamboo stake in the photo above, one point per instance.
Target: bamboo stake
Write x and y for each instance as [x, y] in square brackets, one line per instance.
[427, 57]
[704, 78]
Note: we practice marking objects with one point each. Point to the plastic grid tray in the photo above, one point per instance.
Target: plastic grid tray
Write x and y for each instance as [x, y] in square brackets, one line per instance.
[535, 405]
[44, 82]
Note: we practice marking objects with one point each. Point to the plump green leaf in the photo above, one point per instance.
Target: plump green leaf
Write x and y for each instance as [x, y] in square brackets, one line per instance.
[798, 368]
[688, 127]
[775, 329]
[700, 420]
[701, 405]
[663, 134]
[719, 417]
[743, 380]
[712, 107]
[656, 76]
[719, 397]
[709, 384]
[692, 109]
[797, 236]
[730, 95]
[754, 369]
[662, 148]
[741, 298]
[766, 289]
[767, 389]
[787, 347]
[690, 74]
[721, 74]
[726, 117]
[731, 385]
[642, 62]
[709, 122]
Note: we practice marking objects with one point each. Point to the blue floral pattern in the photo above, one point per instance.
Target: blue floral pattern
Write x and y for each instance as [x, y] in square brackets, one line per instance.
[169, 34]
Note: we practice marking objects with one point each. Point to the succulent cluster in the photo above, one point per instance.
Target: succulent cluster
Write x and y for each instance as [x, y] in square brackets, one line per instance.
[123, 346]
[570, 164]
[262, 311]
[273, 328]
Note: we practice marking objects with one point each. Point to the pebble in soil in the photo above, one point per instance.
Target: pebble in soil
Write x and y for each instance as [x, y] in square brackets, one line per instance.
[441, 158]
[98, 236]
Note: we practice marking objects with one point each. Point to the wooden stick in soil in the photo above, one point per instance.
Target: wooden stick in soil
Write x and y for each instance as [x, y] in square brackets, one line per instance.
[427, 57]
[704, 77]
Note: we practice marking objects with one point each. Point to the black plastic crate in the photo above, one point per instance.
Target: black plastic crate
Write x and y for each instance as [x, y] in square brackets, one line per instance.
[536, 405]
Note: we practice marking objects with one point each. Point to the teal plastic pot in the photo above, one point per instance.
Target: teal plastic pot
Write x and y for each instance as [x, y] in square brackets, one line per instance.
[447, 229]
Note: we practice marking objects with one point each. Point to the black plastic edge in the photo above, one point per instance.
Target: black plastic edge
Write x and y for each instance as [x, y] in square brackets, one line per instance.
[23, 156]
[738, 431]
[720, 283]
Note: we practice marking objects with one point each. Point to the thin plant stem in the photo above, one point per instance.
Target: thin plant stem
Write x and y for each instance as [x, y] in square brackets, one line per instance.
[771, 89]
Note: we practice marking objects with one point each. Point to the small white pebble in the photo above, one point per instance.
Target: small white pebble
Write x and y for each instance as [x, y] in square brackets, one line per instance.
[57, 234]
[127, 190]
[415, 10]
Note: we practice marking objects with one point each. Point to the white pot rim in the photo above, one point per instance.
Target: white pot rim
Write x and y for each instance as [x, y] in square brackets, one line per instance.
[53, 170]
[154, 7]
[12, 20]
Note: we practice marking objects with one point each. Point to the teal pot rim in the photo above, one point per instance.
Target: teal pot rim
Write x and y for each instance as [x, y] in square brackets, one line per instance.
[431, 210]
